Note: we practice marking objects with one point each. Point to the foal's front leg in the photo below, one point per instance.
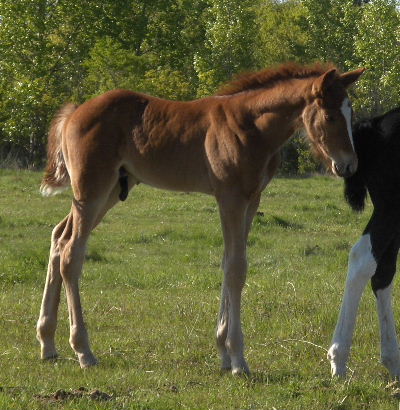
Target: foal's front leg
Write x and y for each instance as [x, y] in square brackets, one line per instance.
[229, 331]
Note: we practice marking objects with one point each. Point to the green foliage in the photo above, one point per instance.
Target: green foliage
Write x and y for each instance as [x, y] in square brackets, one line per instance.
[282, 36]
[42, 44]
[56, 51]
[111, 66]
[332, 27]
[363, 35]
[377, 48]
[297, 158]
[231, 32]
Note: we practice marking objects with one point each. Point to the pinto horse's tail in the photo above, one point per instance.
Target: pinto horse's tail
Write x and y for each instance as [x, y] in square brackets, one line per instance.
[56, 177]
[355, 191]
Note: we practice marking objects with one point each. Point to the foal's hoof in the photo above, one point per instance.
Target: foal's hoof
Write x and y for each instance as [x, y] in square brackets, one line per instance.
[49, 354]
[241, 370]
[338, 371]
[87, 360]
[226, 363]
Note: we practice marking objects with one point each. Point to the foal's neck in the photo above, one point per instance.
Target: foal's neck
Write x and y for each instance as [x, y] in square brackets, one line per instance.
[278, 110]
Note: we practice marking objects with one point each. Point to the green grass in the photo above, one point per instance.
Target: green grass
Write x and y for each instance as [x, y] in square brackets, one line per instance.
[150, 291]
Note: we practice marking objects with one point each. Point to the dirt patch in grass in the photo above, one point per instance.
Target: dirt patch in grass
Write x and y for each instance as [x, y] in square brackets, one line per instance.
[82, 392]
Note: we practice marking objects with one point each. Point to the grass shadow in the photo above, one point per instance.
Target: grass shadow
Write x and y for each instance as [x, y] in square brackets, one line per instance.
[272, 220]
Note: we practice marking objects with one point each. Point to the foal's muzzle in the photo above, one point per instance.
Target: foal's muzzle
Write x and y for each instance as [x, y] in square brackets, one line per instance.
[344, 170]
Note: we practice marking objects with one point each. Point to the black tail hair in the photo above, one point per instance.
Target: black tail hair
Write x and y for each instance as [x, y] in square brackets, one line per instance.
[355, 191]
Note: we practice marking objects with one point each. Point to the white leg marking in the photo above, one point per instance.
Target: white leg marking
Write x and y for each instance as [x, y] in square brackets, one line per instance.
[346, 111]
[390, 355]
[362, 266]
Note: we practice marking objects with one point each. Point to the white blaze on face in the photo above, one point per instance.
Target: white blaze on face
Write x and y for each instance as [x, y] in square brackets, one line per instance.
[346, 111]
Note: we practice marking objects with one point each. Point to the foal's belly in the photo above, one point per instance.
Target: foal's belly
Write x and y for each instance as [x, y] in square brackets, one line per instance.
[172, 176]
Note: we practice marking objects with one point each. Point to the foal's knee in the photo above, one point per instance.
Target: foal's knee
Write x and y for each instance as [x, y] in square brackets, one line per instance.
[45, 327]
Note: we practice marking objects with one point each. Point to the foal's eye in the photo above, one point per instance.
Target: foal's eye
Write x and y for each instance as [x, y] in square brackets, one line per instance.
[329, 117]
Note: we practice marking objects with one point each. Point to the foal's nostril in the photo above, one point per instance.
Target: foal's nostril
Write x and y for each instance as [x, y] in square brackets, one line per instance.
[349, 171]
[344, 171]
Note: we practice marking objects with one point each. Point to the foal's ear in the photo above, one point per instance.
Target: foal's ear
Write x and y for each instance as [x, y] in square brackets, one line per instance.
[322, 83]
[351, 76]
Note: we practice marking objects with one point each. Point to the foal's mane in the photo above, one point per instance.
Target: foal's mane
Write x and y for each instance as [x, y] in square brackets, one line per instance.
[270, 76]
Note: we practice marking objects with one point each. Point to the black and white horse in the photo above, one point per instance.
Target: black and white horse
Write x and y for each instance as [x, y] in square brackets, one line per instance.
[377, 144]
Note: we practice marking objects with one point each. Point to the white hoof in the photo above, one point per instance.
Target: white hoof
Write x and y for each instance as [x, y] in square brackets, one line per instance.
[338, 361]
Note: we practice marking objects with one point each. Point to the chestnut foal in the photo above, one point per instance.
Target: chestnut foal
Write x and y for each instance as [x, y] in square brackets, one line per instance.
[225, 145]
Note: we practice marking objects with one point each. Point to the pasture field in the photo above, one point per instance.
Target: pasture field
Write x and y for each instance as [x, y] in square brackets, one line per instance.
[150, 293]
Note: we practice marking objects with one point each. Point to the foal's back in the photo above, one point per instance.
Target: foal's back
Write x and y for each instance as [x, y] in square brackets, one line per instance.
[159, 142]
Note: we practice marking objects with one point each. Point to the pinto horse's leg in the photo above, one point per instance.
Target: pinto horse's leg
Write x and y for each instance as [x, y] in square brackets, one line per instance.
[382, 285]
[361, 268]
[364, 259]
[47, 323]
[390, 356]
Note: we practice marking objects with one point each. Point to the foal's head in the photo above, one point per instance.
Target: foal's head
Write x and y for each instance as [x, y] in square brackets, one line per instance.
[327, 118]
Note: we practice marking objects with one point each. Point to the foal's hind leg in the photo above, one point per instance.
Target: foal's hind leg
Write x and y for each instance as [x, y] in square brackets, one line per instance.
[47, 323]
[80, 223]
[84, 216]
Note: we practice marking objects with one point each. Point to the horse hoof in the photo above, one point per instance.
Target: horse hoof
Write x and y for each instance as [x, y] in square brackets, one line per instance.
[87, 360]
[338, 372]
[50, 356]
[242, 370]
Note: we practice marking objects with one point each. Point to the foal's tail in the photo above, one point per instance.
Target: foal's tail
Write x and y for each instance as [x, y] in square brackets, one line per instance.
[56, 177]
[355, 191]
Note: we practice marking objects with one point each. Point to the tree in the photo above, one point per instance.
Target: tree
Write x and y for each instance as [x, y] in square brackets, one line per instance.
[42, 43]
[377, 48]
[282, 34]
[110, 66]
[332, 27]
[230, 38]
